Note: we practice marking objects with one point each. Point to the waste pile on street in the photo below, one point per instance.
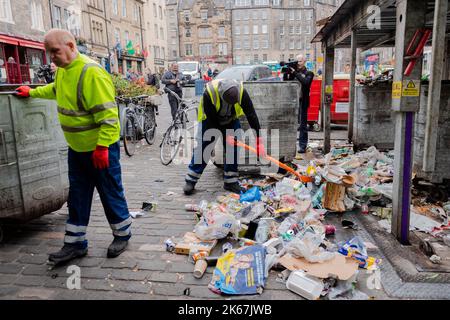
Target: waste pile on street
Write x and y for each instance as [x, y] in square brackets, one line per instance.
[278, 223]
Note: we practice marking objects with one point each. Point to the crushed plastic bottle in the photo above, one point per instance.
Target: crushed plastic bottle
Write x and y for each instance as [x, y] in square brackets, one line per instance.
[262, 232]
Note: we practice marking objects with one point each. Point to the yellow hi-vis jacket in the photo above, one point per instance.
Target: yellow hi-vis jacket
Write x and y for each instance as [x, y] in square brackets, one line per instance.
[213, 90]
[87, 110]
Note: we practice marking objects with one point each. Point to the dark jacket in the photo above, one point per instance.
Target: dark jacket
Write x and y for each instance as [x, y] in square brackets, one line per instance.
[169, 75]
[246, 104]
[305, 77]
[152, 80]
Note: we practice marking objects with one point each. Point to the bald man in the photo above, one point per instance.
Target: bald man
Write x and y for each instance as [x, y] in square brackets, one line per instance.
[173, 79]
[305, 77]
[88, 114]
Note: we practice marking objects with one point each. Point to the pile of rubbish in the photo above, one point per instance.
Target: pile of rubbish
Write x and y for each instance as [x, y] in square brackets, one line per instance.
[278, 223]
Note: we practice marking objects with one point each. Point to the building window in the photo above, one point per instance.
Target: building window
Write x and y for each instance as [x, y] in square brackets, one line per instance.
[246, 29]
[245, 15]
[237, 15]
[256, 58]
[264, 29]
[205, 49]
[291, 3]
[204, 32]
[163, 53]
[281, 15]
[299, 15]
[161, 32]
[187, 16]
[309, 15]
[221, 32]
[307, 29]
[276, 2]
[255, 15]
[237, 44]
[246, 44]
[307, 44]
[292, 15]
[160, 12]
[282, 45]
[255, 29]
[188, 32]
[117, 35]
[156, 31]
[57, 16]
[188, 49]
[136, 12]
[281, 30]
[247, 60]
[223, 49]
[265, 57]
[155, 14]
[299, 44]
[298, 29]
[204, 15]
[237, 60]
[127, 37]
[37, 21]
[291, 30]
[237, 30]
[115, 4]
[291, 44]
[137, 36]
[124, 8]
[265, 43]
[307, 3]
[255, 44]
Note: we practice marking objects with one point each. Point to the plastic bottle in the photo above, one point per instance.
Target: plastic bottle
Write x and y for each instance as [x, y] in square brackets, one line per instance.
[262, 232]
[203, 206]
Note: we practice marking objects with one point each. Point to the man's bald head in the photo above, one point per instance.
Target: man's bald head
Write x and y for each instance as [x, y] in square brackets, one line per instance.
[62, 47]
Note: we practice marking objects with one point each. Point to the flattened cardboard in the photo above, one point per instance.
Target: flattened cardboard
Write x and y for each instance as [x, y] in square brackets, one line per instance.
[341, 267]
[191, 242]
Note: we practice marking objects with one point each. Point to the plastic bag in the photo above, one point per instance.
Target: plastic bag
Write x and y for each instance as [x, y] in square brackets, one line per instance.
[215, 224]
[309, 248]
[251, 195]
[356, 249]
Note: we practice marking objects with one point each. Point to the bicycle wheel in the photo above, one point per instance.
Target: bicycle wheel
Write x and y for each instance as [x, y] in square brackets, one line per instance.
[129, 136]
[150, 126]
[171, 143]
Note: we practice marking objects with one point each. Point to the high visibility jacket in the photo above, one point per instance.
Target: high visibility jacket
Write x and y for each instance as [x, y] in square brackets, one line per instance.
[213, 90]
[87, 110]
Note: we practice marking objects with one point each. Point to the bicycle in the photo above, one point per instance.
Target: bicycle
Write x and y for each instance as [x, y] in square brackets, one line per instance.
[174, 134]
[138, 121]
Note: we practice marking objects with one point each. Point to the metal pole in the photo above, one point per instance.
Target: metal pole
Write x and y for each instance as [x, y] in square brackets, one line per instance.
[434, 93]
[142, 35]
[328, 97]
[351, 106]
[405, 102]
[50, 5]
[107, 35]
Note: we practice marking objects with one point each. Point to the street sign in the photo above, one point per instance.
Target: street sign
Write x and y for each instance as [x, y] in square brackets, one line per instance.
[411, 88]
[396, 90]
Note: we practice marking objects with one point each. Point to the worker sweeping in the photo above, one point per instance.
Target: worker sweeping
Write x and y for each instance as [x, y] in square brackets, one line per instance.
[222, 104]
[89, 119]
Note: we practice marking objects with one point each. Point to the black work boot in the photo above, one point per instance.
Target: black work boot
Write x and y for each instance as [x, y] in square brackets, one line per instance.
[67, 253]
[116, 247]
[189, 188]
[233, 187]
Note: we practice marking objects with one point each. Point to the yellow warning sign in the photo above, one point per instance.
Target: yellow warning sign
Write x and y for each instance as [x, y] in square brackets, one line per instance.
[329, 89]
[396, 90]
[411, 88]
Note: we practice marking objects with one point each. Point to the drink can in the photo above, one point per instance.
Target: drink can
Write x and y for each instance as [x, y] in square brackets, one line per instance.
[227, 246]
[365, 208]
[330, 229]
[170, 245]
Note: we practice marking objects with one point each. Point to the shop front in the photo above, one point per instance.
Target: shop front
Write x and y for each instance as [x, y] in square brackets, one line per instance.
[20, 60]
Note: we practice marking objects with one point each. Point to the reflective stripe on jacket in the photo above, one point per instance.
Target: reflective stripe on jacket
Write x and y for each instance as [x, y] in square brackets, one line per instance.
[213, 90]
[87, 109]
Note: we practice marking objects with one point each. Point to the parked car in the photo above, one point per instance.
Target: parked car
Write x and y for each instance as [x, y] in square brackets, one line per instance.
[246, 73]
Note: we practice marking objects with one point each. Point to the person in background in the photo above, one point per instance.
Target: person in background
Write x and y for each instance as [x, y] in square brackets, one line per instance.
[209, 71]
[152, 78]
[172, 79]
[89, 119]
[305, 77]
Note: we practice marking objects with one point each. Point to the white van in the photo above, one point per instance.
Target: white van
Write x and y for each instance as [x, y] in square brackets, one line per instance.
[190, 70]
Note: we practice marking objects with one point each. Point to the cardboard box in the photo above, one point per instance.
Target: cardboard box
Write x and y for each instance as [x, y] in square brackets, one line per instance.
[341, 267]
[191, 242]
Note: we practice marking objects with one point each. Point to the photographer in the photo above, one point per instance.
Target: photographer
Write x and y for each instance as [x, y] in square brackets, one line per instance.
[305, 77]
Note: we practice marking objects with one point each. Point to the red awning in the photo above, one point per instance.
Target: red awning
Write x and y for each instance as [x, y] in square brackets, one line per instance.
[9, 40]
[21, 42]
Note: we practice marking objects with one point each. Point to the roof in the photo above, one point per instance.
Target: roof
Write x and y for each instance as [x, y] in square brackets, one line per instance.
[354, 14]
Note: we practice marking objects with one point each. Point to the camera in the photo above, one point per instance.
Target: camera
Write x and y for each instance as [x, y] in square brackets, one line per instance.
[45, 72]
[285, 66]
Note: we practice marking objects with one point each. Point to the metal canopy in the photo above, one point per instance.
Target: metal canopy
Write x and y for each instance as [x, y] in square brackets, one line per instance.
[354, 14]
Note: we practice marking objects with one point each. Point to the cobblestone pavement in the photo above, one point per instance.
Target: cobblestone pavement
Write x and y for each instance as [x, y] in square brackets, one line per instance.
[145, 270]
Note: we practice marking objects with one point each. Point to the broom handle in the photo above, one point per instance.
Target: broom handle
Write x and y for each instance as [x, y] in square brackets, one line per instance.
[278, 163]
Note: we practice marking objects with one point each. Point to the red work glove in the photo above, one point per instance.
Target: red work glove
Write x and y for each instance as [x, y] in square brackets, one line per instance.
[260, 147]
[100, 157]
[23, 91]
